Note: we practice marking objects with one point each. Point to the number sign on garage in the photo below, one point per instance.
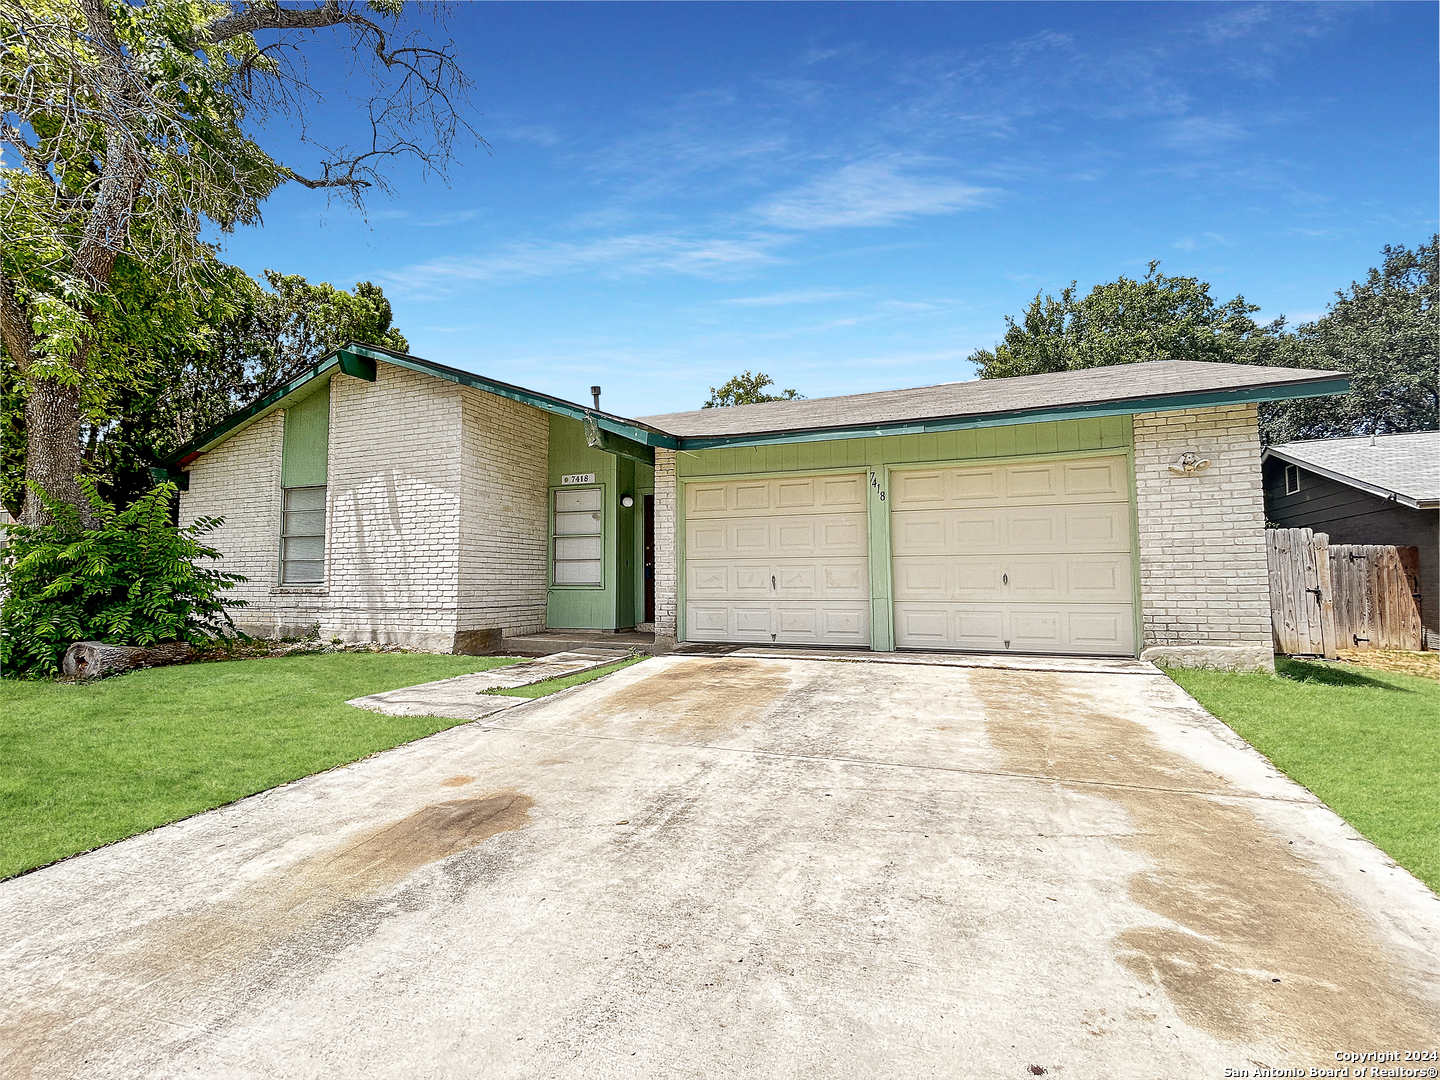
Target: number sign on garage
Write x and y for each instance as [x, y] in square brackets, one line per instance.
[778, 560]
[1019, 558]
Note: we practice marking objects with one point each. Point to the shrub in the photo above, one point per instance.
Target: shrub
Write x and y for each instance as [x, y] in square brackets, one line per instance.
[135, 580]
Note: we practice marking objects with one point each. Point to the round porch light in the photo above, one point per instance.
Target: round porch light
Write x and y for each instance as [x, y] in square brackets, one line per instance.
[627, 500]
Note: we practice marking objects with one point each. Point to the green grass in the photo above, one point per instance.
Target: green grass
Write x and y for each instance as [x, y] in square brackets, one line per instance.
[86, 764]
[549, 686]
[1368, 744]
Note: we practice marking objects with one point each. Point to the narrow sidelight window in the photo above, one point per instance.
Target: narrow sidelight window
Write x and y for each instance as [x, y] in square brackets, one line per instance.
[302, 536]
[577, 536]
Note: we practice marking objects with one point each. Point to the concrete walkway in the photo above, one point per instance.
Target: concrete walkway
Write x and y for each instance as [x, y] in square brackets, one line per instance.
[467, 697]
[743, 867]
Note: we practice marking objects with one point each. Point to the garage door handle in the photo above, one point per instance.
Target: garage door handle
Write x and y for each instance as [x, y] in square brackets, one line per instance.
[772, 582]
[1005, 579]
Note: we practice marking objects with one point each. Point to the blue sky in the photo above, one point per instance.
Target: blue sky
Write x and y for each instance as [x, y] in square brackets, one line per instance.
[853, 197]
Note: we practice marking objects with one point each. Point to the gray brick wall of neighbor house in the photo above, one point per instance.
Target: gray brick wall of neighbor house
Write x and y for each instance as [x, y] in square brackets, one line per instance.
[435, 524]
[667, 547]
[1350, 516]
[1204, 583]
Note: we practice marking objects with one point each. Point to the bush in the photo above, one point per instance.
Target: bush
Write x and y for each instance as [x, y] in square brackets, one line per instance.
[135, 580]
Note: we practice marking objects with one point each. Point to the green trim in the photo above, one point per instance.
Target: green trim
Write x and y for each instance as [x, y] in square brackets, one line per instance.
[882, 570]
[618, 445]
[359, 361]
[1161, 403]
[629, 429]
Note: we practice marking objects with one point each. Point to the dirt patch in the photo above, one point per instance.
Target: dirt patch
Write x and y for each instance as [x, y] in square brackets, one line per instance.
[1264, 951]
[699, 697]
[1424, 664]
[457, 781]
[255, 937]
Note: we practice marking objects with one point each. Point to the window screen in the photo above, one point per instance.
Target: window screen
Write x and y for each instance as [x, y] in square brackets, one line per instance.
[577, 536]
[1292, 479]
[302, 536]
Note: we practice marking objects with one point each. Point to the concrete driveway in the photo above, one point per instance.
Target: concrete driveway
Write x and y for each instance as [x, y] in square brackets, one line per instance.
[746, 866]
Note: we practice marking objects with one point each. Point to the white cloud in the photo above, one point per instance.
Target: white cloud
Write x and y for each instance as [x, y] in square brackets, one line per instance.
[634, 254]
[1200, 133]
[868, 193]
[1202, 240]
[796, 296]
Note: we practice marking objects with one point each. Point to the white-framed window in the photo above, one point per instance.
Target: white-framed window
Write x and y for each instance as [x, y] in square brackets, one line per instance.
[302, 536]
[1292, 479]
[578, 514]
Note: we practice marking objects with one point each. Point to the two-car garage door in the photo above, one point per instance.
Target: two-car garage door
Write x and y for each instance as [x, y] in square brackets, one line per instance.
[1032, 557]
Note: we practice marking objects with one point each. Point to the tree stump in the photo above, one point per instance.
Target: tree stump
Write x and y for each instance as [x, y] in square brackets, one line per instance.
[86, 659]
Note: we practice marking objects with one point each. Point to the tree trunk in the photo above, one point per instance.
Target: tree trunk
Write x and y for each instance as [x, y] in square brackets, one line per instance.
[52, 450]
[86, 659]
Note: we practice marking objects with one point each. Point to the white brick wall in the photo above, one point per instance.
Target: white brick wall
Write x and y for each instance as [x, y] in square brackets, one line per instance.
[667, 545]
[435, 521]
[1203, 576]
[504, 480]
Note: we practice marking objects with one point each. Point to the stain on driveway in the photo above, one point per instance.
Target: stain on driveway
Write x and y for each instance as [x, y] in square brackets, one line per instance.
[741, 867]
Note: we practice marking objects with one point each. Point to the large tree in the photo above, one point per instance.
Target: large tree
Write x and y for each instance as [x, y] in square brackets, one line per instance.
[128, 127]
[1125, 321]
[1385, 331]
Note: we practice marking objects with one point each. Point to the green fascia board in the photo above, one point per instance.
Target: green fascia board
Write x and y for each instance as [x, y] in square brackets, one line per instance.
[359, 361]
[646, 436]
[617, 445]
[1165, 403]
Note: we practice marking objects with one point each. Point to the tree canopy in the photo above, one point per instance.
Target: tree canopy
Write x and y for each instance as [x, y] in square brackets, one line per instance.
[129, 126]
[258, 339]
[1126, 321]
[1384, 331]
[747, 389]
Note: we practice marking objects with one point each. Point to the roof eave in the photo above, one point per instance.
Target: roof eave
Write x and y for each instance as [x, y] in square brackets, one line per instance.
[359, 361]
[1153, 403]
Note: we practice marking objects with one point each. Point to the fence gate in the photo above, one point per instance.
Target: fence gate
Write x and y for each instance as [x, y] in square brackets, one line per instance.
[1347, 596]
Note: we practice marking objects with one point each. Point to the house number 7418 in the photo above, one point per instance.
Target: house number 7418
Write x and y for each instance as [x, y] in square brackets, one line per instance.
[875, 483]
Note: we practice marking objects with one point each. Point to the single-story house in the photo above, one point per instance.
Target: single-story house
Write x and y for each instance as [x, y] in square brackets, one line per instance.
[1382, 489]
[1113, 511]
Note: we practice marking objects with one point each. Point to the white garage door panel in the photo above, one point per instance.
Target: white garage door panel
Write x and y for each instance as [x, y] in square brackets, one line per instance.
[1101, 578]
[784, 561]
[770, 537]
[1090, 480]
[831, 579]
[1090, 628]
[760, 498]
[1102, 527]
[832, 622]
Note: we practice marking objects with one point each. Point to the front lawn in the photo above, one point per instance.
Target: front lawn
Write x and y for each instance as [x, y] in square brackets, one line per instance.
[86, 764]
[1366, 742]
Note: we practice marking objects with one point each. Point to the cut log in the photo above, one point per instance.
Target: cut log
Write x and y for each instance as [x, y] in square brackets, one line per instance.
[86, 659]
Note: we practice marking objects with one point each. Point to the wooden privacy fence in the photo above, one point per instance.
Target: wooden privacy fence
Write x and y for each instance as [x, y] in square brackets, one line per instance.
[1325, 597]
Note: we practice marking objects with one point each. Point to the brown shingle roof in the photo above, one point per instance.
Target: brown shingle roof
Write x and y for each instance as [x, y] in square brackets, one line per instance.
[984, 397]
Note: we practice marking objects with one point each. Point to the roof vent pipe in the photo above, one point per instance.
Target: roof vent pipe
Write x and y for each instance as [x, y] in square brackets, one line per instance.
[595, 393]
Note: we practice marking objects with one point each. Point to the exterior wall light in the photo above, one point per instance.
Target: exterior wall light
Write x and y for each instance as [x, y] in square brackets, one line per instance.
[627, 500]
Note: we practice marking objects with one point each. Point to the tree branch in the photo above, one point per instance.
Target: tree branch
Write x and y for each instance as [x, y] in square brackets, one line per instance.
[274, 17]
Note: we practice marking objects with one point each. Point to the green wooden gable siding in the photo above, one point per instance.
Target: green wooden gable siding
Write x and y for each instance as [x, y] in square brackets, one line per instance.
[618, 601]
[306, 452]
[977, 444]
[877, 456]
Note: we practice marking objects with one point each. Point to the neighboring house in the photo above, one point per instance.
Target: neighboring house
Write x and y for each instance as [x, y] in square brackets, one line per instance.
[1101, 512]
[1383, 489]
